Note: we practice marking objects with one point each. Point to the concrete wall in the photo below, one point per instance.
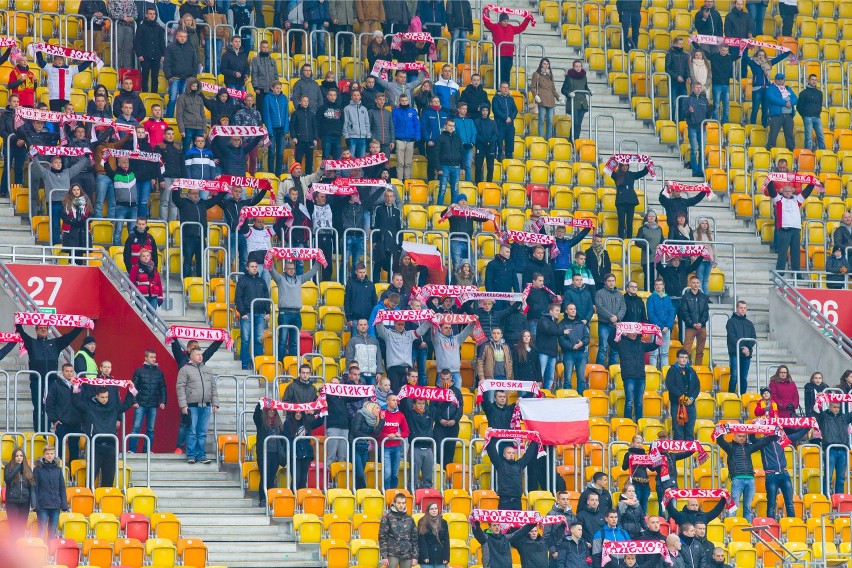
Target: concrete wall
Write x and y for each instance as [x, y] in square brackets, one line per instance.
[793, 330]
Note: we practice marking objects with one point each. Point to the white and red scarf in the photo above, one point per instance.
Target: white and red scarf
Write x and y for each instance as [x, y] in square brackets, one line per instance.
[404, 315]
[362, 182]
[319, 405]
[200, 184]
[423, 293]
[65, 151]
[294, 253]
[670, 250]
[739, 43]
[676, 446]
[579, 222]
[688, 188]
[348, 391]
[525, 14]
[505, 517]
[642, 159]
[790, 178]
[27, 113]
[480, 213]
[699, 494]
[104, 382]
[241, 131]
[330, 189]
[214, 90]
[381, 67]
[526, 238]
[554, 297]
[53, 320]
[823, 399]
[67, 52]
[793, 422]
[639, 547]
[623, 327]
[644, 460]
[496, 296]
[245, 181]
[133, 155]
[749, 429]
[434, 394]
[352, 163]
[493, 385]
[527, 436]
[199, 334]
[425, 37]
[276, 211]
[14, 337]
[478, 334]
[8, 42]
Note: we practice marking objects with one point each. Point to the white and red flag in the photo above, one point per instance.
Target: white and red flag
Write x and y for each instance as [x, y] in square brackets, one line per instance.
[559, 421]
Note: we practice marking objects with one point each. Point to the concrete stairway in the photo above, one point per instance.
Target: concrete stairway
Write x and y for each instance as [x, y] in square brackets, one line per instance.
[754, 260]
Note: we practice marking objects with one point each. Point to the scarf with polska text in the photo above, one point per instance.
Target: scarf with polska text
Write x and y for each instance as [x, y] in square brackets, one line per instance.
[432, 394]
[276, 211]
[612, 548]
[525, 14]
[689, 188]
[214, 90]
[14, 337]
[642, 159]
[480, 213]
[623, 327]
[823, 399]
[527, 436]
[644, 460]
[423, 293]
[53, 320]
[66, 52]
[478, 334]
[790, 178]
[133, 155]
[793, 422]
[330, 189]
[504, 516]
[676, 446]
[404, 315]
[295, 253]
[319, 404]
[199, 334]
[425, 37]
[348, 391]
[27, 113]
[493, 385]
[699, 494]
[104, 382]
[246, 181]
[670, 250]
[352, 163]
[381, 67]
[576, 222]
[241, 131]
[749, 429]
[200, 184]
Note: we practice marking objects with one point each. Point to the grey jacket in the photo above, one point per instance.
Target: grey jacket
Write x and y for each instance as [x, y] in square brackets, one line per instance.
[60, 181]
[398, 345]
[381, 125]
[343, 11]
[356, 121]
[610, 303]
[196, 385]
[189, 111]
[307, 87]
[290, 287]
[284, 186]
[393, 90]
[448, 349]
[263, 72]
[367, 351]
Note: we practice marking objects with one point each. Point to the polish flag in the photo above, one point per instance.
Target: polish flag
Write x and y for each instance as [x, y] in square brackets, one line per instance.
[424, 255]
[559, 421]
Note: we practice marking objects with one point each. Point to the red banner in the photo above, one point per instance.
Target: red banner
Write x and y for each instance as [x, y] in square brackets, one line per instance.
[834, 305]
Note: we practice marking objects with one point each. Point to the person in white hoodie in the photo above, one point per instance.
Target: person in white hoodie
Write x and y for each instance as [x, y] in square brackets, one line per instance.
[356, 125]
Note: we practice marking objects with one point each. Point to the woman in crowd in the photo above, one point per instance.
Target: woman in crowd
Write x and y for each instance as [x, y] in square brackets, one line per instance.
[576, 91]
[433, 535]
[76, 210]
[784, 392]
[700, 72]
[464, 275]
[639, 474]
[20, 492]
[846, 381]
[525, 364]
[269, 456]
[761, 67]
[682, 231]
[703, 234]
[626, 199]
[544, 92]
[814, 387]
[377, 50]
[145, 276]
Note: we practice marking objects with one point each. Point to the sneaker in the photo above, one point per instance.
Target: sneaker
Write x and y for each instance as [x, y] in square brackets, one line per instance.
[190, 461]
[262, 504]
[178, 451]
[206, 461]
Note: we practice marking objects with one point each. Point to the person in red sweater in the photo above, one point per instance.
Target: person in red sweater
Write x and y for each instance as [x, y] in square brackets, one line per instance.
[156, 126]
[784, 392]
[22, 81]
[766, 406]
[503, 35]
[146, 278]
[391, 438]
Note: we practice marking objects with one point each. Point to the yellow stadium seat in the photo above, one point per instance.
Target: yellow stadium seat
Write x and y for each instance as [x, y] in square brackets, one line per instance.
[161, 552]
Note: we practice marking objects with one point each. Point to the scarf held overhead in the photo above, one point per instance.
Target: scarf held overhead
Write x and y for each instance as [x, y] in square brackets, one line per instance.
[434, 394]
[53, 320]
[295, 253]
[640, 329]
[64, 52]
[527, 436]
[823, 399]
[642, 159]
[493, 385]
[276, 211]
[699, 494]
[525, 14]
[668, 250]
[352, 163]
[199, 334]
[638, 547]
[241, 131]
[424, 37]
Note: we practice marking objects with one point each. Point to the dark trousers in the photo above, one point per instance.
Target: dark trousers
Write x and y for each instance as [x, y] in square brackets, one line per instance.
[63, 430]
[432, 164]
[788, 18]
[625, 220]
[327, 246]
[275, 160]
[271, 470]
[505, 69]
[396, 374]
[577, 122]
[484, 159]
[151, 67]
[788, 240]
[505, 140]
[345, 41]
[776, 123]
[509, 504]
[191, 250]
[105, 464]
[630, 29]
[17, 514]
[677, 89]
[18, 156]
[305, 150]
[57, 105]
[301, 473]
[259, 95]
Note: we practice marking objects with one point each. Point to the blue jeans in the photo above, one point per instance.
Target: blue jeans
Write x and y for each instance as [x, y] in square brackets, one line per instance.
[813, 124]
[703, 273]
[605, 330]
[467, 163]
[459, 250]
[722, 101]
[56, 222]
[187, 140]
[745, 363]
[49, 519]
[286, 337]
[837, 462]
[687, 431]
[744, 488]
[149, 414]
[661, 355]
[357, 146]
[696, 151]
[548, 368]
[676, 90]
[779, 481]
[143, 192]
[218, 53]
[330, 147]
[758, 100]
[634, 390]
[196, 438]
[105, 192]
[419, 356]
[275, 159]
[318, 39]
[354, 249]
[545, 121]
[390, 466]
[460, 48]
[368, 222]
[575, 360]
[122, 212]
[757, 12]
[362, 455]
[643, 493]
[452, 174]
[176, 87]
[245, 337]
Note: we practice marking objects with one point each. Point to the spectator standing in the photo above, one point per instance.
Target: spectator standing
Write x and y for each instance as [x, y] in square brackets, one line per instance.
[695, 109]
[739, 22]
[788, 223]
[241, 19]
[784, 392]
[740, 353]
[598, 487]
[150, 47]
[22, 81]
[150, 384]
[740, 467]
[198, 397]
[138, 239]
[531, 547]
[691, 552]
[675, 204]
[20, 490]
[777, 477]
[387, 220]
[449, 152]
[173, 162]
[610, 306]
[694, 312]
[356, 125]
[359, 296]
[370, 15]
[299, 425]
[703, 233]
[146, 278]
[677, 67]
[548, 332]
[631, 354]
[834, 426]
[48, 486]
[303, 132]
[330, 123]
[61, 414]
[510, 472]
[543, 87]
[761, 67]
[486, 134]
[398, 537]
[367, 352]
[249, 115]
[76, 211]
[264, 74]
[447, 90]
[838, 266]
[500, 273]
[189, 113]
[251, 287]
[268, 423]
[638, 476]
[192, 209]
[100, 416]
[781, 104]
[575, 347]
[683, 386]
[788, 9]
[474, 93]
[433, 15]
[495, 361]
[407, 128]
[814, 386]
[757, 11]
[809, 105]
[626, 199]
[503, 35]
[842, 236]
[448, 350]
[592, 519]
[661, 312]
[630, 16]
[434, 539]
[573, 552]
[306, 85]
[505, 112]
[722, 63]
[610, 531]
[459, 24]
[576, 90]
[365, 424]
[392, 441]
[708, 20]
[290, 304]
[342, 14]
[235, 65]
[598, 261]
[123, 14]
[432, 127]
[582, 296]
[95, 12]
[466, 131]
[421, 424]
[382, 124]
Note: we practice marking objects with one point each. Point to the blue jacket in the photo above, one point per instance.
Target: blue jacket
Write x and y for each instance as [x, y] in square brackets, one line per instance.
[448, 92]
[406, 124]
[200, 165]
[316, 11]
[582, 298]
[661, 311]
[760, 79]
[503, 108]
[774, 458]
[466, 129]
[432, 12]
[379, 306]
[432, 124]
[276, 111]
[776, 102]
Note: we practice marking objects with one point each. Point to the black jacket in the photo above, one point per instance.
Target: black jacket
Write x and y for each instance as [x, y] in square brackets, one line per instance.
[632, 519]
[137, 241]
[604, 502]
[50, 485]
[674, 206]
[173, 160]
[592, 522]
[811, 390]
[218, 109]
[681, 382]
[250, 288]
[631, 355]
[709, 23]
[700, 109]
[44, 353]
[510, 474]
[677, 63]
[577, 331]
[233, 63]
[338, 415]
[388, 221]
[459, 16]
[18, 489]
[192, 211]
[598, 270]
[329, 119]
[723, 69]
[449, 149]
[533, 553]
[430, 549]
[834, 427]
[692, 553]
[419, 425]
[150, 41]
[359, 299]
[540, 266]
[687, 516]
[59, 407]
[360, 428]
[810, 102]
[132, 97]
[496, 548]
[500, 275]
[486, 134]
[625, 186]
[741, 327]
[738, 23]
[675, 276]
[499, 417]
[538, 301]
[635, 309]
[476, 98]
[671, 462]
[150, 383]
[547, 336]
[303, 125]
[694, 308]
[573, 554]
[231, 208]
[182, 357]
[101, 418]
[553, 534]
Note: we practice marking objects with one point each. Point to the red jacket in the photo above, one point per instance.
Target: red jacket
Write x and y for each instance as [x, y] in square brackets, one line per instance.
[395, 423]
[762, 410]
[26, 90]
[148, 283]
[784, 393]
[502, 34]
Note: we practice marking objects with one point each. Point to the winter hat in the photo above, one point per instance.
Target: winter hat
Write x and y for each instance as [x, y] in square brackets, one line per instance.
[765, 390]
[294, 165]
[503, 17]
[88, 341]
